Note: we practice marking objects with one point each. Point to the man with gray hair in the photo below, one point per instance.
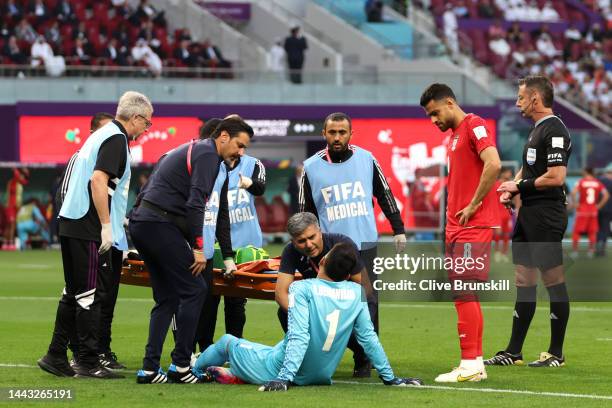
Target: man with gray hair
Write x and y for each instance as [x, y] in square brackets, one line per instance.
[91, 222]
[307, 247]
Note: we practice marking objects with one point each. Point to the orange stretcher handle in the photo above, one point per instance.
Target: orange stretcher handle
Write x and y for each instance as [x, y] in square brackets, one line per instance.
[244, 284]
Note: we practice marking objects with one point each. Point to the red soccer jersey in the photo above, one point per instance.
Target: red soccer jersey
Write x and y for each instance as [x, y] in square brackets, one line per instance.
[13, 193]
[465, 168]
[14, 190]
[589, 189]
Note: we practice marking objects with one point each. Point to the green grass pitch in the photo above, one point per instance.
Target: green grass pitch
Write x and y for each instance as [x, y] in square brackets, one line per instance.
[419, 338]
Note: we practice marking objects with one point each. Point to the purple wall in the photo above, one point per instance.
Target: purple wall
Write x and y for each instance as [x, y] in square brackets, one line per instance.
[248, 111]
[9, 140]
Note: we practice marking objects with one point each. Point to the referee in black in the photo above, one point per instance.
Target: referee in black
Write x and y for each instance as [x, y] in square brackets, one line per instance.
[167, 228]
[541, 223]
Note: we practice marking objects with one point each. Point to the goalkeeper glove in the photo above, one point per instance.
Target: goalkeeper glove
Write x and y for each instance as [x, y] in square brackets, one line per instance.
[403, 382]
[275, 385]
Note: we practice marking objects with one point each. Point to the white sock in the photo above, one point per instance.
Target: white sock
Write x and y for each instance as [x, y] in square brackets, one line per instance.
[480, 362]
[182, 369]
[470, 364]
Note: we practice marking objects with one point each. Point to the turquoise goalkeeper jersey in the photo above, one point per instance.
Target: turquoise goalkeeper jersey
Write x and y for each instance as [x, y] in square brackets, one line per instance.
[322, 316]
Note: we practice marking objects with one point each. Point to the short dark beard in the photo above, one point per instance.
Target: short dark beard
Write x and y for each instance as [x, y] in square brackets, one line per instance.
[341, 156]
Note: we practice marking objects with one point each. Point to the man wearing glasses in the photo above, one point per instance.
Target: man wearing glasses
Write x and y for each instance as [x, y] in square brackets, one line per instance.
[108, 283]
[147, 122]
[91, 222]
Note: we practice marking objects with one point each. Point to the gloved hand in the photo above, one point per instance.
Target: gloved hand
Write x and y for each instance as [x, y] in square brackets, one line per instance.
[400, 242]
[230, 268]
[404, 382]
[245, 182]
[275, 385]
[107, 238]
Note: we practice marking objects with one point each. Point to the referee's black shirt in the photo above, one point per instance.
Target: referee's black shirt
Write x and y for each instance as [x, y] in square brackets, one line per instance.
[549, 145]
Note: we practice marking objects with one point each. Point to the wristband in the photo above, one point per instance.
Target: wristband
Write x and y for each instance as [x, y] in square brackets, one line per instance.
[526, 186]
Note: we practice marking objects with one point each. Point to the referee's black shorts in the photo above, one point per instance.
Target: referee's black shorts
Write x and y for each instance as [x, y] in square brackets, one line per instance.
[538, 232]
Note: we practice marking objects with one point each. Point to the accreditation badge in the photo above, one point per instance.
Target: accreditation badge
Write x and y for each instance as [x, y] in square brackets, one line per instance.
[531, 155]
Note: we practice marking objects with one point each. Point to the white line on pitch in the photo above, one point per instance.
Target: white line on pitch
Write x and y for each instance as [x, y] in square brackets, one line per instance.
[445, 305]
[8, 365]
[495, 390]
[437, 387]
[604, 339]
[34, 266]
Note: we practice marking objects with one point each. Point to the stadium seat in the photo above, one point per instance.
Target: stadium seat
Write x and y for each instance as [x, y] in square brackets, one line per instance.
[479, 45]
[561, 9]
[99, 21]
[279, 212]
[579, 14]
[112, 23]
[66, 31]
[79, 10]
[262, 213]
[100, 12]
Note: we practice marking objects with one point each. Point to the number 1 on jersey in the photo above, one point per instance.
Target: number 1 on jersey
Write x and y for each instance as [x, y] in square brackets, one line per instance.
[332, 318]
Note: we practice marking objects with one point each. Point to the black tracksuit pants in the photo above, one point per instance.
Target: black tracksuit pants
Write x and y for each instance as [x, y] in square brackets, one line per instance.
[168, 257]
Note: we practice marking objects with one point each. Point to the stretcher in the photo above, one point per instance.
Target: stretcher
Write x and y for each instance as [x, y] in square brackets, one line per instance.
[253, 280]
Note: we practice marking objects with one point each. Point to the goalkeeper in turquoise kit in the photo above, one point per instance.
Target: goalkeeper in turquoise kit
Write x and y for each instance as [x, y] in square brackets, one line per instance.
[323, 313]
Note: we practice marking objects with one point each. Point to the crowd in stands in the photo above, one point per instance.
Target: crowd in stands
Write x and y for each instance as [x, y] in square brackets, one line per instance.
[567, 40]
[59, 33]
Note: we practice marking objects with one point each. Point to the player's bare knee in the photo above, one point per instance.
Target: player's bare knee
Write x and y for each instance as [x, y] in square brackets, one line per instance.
[525, 276]
[553, 276]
